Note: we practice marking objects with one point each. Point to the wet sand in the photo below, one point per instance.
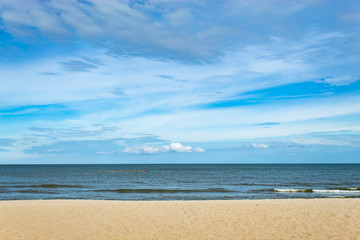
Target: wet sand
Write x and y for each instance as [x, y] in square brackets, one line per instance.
[235, 219]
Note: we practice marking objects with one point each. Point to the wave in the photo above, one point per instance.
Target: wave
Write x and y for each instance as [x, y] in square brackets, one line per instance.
[56, 186]
[345, 188]
[292, 190]
[43, 186]
[149, 190]
[35, 191]
[338, 190]
[257, 184]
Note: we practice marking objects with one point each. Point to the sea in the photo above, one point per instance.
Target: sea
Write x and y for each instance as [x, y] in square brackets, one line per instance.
[179, 181]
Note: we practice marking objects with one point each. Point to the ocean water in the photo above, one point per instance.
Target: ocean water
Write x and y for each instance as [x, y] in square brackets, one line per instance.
[179, 181]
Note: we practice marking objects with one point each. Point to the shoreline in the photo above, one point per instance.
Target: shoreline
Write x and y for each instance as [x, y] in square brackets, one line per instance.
[323, 218]
[202, 200]
[185, 200]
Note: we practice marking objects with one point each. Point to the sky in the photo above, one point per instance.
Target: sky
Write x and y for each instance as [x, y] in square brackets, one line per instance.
[90, 81]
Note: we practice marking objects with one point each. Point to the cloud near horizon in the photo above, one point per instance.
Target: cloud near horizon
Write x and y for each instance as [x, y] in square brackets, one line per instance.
[173, 147]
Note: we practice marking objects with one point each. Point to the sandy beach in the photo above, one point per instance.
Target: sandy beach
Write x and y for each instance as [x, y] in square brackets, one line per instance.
[238, 219]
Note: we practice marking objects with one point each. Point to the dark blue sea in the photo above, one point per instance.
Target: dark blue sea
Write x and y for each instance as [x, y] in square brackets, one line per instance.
[179, 181]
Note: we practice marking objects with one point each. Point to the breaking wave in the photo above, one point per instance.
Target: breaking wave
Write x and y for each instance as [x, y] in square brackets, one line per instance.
[333, 190]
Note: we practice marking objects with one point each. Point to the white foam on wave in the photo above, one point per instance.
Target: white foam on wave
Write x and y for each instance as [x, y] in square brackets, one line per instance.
[336, 191]
[291, 190]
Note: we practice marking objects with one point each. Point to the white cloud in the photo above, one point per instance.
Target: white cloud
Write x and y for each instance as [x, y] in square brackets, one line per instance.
[199, 149]
[259, 145]
[55, 150]
[173, 147]
[102, 152]
[121, 24]
[343, 80]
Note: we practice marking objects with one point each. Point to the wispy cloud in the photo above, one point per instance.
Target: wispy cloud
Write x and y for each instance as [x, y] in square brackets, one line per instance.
[118, 92]
[268, 123]
[6, 142]
[259, 145]
[77, 66]
[165, 26]
[49, 73]
[172, 78]
[72, 132]
[121, 26]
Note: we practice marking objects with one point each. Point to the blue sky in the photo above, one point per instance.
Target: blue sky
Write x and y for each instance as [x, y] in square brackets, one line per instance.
[179, 81]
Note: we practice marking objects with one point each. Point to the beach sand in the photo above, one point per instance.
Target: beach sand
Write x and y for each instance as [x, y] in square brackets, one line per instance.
[238, 219]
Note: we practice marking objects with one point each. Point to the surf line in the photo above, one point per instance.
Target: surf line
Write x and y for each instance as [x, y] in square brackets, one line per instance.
[123, 171]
